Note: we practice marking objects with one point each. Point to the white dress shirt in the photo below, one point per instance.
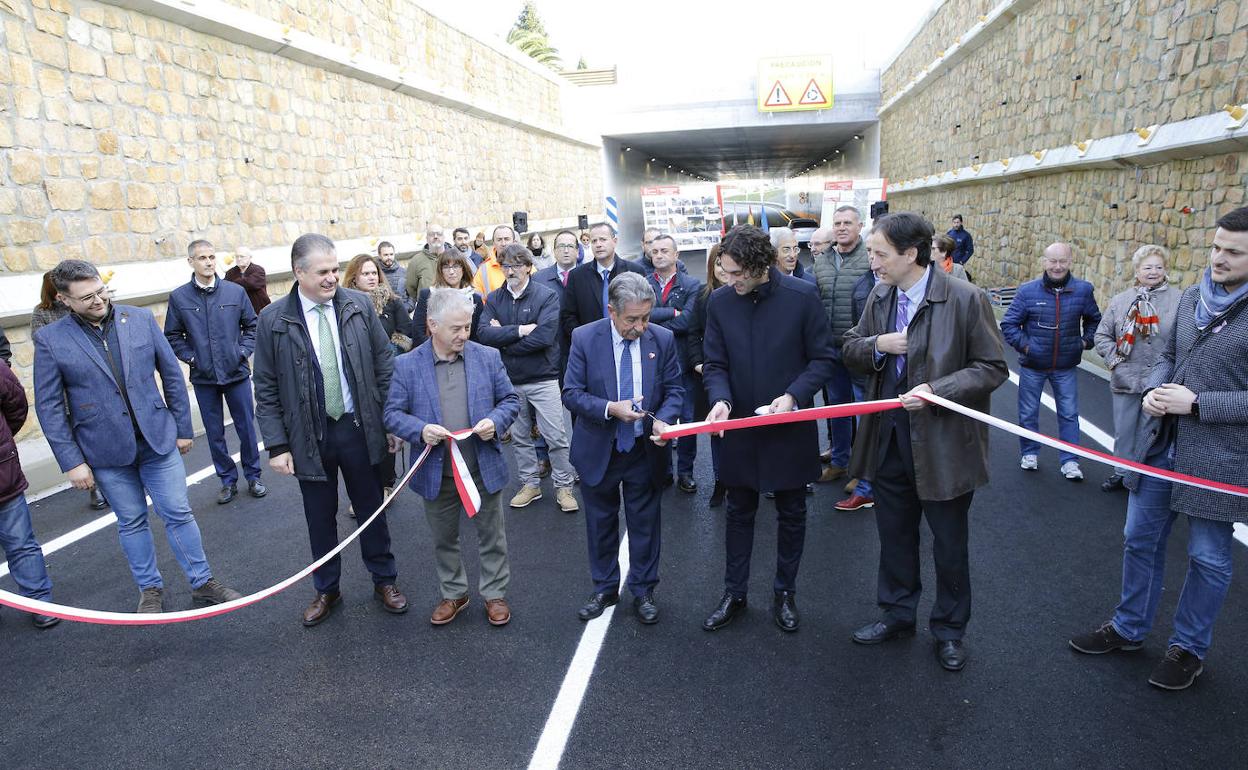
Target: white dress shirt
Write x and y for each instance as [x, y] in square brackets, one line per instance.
[313, 319]
[617, 351]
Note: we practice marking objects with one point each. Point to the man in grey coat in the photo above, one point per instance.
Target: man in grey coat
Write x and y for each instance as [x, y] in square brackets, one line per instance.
[322, 371]
[1197, 394]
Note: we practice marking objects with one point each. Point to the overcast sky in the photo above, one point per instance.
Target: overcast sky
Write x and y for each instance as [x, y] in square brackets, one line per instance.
[676, 41]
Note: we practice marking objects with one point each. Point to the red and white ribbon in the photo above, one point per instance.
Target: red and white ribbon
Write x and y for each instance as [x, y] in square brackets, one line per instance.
[463, 482]
[1090, 454]
[868, 407]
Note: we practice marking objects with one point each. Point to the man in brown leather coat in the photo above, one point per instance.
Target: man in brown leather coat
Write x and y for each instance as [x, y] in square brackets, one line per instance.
[922, 331]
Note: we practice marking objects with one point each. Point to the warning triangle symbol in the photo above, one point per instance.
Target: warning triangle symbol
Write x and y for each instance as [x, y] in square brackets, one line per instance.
[814, 94]
[778, 97]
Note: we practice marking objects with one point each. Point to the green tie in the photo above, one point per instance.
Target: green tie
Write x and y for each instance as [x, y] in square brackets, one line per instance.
[328, 356]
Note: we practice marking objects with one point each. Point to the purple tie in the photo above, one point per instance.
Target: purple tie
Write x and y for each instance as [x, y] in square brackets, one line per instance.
[903, 305]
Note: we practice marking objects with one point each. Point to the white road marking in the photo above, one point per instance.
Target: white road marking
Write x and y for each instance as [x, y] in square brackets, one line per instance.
[562, 717]
[108, 519]
[1086, 426]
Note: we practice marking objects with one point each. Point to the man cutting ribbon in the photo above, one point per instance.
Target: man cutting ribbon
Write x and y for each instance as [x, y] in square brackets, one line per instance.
[922, 332]
[447, 386]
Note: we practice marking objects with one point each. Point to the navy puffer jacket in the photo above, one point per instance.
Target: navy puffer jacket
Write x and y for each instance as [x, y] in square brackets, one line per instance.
[1051, 326]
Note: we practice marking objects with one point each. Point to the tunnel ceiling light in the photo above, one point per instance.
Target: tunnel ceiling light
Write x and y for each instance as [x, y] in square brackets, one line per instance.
[858, 136]
[653, 160]
[628, 149]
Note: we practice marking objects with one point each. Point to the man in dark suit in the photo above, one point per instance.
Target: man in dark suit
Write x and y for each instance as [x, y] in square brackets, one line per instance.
[556, 276]
[766, 344]
[107, 424]
[674, 293]
[922, 331]
[623, 384]
[322, 371]
[447, 385]
[211, 326]
[585, 297]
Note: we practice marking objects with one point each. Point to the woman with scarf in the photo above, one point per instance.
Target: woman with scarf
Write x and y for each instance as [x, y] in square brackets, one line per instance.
[943, 246]
[364, 274]
[1130, 337]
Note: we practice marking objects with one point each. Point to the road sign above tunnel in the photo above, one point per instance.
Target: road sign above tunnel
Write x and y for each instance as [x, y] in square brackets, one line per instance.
[809, 77]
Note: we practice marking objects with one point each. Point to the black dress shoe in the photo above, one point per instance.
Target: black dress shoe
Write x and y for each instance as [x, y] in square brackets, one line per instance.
[596, 604]
[227, 494]
[686, 483]
[951, 654]
[257, 488]
[98, 501]
[44, 621]
[784, 611]
[717, 495]
[879, 631]
[1112, 483]
[729, 607]
[647, 609]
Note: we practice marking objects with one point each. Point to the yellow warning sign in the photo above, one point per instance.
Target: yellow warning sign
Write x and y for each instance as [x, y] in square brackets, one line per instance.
[809, 78]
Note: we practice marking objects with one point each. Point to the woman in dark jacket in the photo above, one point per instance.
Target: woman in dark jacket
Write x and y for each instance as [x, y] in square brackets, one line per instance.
[364, 274]
[697, 330]
[451, 272]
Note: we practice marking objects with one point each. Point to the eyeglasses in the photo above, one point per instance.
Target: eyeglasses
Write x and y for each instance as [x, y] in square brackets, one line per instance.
[102, 295]
[790, 249]
[510, 267]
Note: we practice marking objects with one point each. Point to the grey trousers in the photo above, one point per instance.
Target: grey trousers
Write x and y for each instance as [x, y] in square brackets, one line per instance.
[444, 514]
[1128, 417]
[547, 403]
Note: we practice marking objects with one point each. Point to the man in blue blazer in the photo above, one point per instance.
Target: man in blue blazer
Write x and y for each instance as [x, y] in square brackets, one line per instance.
[623, 384]
[447, 385]
[107, 424]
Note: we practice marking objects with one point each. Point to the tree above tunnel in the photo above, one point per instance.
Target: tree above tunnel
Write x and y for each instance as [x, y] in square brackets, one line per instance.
[530, 36]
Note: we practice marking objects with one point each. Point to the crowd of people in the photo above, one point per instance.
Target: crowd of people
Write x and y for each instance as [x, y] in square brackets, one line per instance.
[582, 359]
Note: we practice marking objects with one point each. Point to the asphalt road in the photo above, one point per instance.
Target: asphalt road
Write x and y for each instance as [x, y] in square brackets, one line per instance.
[370, 689]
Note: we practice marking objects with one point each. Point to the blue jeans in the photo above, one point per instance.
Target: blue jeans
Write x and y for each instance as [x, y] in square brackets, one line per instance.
[22, 551]
[237, 397]
[164, 478]
[1149, 519]
[1065, 387]
[840, 390]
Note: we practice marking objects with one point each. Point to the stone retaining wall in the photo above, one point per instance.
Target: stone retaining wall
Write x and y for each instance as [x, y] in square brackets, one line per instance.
[1138, 64]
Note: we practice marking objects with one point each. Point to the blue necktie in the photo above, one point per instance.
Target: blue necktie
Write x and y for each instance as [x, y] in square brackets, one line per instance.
[624, 437]
[606, 280]
[903, 321]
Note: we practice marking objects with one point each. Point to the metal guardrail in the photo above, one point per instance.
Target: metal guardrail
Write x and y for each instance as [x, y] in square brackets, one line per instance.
[1002, 296]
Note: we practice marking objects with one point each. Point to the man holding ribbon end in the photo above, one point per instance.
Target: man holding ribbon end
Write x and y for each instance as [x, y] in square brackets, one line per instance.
[322, 369]
[454, 396]
[922, 331]
[1197, 395]
[766, 345]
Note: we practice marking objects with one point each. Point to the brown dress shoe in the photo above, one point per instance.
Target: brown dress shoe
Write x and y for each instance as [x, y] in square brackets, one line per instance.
[391, 599]
[320, 608]
[447, 609]
[497, 611]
